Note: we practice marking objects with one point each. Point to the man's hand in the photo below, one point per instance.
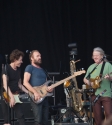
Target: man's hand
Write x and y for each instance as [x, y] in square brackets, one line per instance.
[108, 77]
[87, 82]
[12, 101]
[37, 96]
[49, 89]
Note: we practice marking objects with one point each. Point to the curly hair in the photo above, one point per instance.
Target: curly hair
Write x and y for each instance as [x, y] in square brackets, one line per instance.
[15, 55]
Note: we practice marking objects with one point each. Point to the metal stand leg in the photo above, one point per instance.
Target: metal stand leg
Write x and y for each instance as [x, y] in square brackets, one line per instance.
[54, 90]
[90, 99]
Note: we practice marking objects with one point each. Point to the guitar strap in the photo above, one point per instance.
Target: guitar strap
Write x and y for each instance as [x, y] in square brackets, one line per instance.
[102, 68]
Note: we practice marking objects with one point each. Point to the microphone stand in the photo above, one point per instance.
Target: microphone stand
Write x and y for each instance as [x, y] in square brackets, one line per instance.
[53, 74]
[6, 57]
[90, 108]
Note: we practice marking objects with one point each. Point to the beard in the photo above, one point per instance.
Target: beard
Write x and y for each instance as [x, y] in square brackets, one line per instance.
[38, 63]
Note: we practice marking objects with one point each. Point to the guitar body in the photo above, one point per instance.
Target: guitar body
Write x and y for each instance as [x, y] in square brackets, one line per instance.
[7, 98]
[42, 91]
[95, 83]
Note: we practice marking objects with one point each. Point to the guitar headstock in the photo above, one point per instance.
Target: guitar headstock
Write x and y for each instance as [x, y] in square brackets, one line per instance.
[79, 72]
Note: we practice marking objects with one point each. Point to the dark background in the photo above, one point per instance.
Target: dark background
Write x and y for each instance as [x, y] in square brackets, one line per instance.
[50, 25]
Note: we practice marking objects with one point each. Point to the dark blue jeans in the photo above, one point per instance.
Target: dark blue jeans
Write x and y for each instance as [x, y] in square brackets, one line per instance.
[18, 110]
[40, 112]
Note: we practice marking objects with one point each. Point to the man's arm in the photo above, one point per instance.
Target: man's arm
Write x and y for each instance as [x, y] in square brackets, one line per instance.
[28, 86]
[12, 100]
[22, 87]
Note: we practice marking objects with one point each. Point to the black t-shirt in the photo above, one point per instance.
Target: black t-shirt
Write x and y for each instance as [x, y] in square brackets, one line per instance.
[13, 78]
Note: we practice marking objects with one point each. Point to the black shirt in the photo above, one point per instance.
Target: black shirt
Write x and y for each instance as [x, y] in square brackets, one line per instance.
[13, 78]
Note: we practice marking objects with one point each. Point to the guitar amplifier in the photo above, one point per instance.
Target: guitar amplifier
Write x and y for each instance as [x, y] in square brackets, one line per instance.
[27, 110]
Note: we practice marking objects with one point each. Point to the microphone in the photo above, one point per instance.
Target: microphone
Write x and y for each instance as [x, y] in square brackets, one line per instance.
[104, 56]
[28, 51]
[98, 96]
[6, 57]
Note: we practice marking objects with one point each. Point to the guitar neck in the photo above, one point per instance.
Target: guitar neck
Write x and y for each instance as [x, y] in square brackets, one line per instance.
[103, 77]
[100, 79]
[62, 81]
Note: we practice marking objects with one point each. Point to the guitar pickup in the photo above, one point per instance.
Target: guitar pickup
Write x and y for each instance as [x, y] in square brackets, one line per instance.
[41, 91]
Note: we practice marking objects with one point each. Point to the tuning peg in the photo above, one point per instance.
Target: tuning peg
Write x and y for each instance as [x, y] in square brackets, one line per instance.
[75, 70]
[82, 68]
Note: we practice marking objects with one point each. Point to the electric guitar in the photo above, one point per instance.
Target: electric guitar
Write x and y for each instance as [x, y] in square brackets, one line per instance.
[95, 83]
[17, 97]
[42, 90]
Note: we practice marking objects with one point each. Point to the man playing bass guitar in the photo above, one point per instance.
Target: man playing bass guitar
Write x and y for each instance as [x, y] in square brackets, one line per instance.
[101, 68]
[35, 76]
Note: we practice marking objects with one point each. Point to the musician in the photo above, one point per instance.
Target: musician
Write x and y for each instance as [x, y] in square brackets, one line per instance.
[35, 76]
[105, 100]
[11, 77]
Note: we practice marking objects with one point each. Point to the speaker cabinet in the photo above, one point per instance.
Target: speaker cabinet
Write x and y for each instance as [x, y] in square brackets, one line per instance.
[71, 124]
[28, 123]
[1, 114]
[1, 123]
[27, 111]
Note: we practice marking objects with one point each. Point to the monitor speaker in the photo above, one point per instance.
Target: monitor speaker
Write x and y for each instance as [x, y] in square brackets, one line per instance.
[66, 114]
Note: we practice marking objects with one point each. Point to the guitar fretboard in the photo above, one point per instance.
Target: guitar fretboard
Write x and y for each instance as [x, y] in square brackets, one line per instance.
[66, 79]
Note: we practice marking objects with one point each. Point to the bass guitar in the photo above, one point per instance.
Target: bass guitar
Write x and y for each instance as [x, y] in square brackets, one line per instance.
[42, 90]
[95, 83]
